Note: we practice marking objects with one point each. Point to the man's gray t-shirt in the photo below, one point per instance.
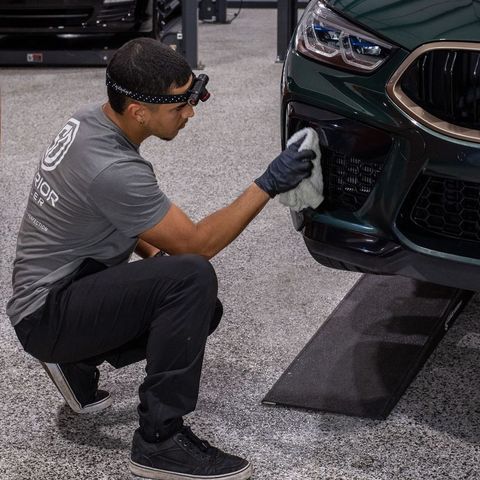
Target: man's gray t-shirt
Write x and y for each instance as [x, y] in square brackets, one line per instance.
[91, 196]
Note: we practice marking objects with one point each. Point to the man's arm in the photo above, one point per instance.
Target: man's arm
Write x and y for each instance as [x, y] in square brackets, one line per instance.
[176, 233]
[145, 250]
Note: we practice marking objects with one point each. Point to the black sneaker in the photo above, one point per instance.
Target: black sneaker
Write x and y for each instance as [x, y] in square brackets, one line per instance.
[78, 384]
[184, 456]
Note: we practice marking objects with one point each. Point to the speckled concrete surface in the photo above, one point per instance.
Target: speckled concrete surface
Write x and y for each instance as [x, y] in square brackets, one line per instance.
[275, 298]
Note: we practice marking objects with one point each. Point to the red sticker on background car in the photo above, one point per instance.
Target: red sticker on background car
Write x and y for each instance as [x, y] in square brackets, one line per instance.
[35, 57]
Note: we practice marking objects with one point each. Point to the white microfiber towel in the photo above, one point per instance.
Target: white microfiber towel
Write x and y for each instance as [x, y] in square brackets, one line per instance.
[309, 192]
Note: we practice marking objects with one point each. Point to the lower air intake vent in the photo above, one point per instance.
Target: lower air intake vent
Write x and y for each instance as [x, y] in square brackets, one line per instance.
[449, 208]
[348, 181]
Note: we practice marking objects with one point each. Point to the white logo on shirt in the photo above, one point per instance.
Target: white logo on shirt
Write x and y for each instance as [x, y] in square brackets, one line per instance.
[58, 149]
[42, 192]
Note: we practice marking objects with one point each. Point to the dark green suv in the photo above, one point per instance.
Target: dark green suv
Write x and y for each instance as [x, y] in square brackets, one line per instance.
[393, 88]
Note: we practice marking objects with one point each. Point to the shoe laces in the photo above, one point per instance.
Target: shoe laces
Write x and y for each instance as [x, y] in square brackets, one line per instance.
[202, 445]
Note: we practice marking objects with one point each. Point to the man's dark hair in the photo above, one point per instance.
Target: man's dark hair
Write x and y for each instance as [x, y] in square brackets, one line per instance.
[147, 66]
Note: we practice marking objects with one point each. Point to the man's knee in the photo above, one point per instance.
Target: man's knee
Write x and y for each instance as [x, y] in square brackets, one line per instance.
[217, 316]
[200, 271]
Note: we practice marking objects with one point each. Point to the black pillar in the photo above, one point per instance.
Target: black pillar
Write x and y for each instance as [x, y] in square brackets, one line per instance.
[286, 23]
[221, 11]
[190, 32]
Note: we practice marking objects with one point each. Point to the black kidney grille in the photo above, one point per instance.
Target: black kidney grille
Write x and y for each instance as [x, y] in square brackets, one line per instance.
[449, 207]
[348, 181]
[446, 83]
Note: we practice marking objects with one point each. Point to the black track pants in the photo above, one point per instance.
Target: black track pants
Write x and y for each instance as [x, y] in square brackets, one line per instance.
[161, 309]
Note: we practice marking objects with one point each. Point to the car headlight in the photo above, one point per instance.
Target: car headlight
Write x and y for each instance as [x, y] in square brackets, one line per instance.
[326, 36]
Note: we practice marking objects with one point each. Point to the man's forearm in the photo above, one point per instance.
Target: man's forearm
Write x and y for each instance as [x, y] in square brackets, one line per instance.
[177, 234]
[219, 229]
[145, 250]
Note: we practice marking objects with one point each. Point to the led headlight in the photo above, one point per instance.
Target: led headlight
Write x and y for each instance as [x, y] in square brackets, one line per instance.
[323, 35]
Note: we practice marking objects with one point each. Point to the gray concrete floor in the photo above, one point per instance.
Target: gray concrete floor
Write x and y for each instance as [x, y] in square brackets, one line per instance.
[275, 298]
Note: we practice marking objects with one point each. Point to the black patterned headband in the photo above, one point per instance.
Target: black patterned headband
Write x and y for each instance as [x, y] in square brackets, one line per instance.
[196, 92]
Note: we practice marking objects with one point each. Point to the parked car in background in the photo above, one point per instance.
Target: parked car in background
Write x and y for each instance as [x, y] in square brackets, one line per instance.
[83, 24]
[84, 16]
[393, 88]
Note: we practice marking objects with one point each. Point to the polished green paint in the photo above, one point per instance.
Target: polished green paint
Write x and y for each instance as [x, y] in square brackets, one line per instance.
[411, 23]
[362, 97]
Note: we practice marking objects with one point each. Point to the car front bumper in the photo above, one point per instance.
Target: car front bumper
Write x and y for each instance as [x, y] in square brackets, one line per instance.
[376, 162]
[369, 254]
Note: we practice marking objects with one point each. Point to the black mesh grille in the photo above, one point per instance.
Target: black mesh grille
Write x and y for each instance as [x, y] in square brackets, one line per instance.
[449, 208]
[117, 12]
[43, 17]
[446, 83]
[347, 180]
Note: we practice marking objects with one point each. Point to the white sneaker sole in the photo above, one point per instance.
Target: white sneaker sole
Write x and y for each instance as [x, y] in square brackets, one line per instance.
[157, 474]
[56, 375]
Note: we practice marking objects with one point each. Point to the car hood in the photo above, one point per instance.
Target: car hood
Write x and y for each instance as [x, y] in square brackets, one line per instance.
[411, 23]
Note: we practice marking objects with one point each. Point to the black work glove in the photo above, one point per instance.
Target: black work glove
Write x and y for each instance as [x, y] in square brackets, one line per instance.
[287, 170]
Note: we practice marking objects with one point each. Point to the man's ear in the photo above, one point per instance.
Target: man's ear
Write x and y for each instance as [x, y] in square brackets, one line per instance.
[136, 112]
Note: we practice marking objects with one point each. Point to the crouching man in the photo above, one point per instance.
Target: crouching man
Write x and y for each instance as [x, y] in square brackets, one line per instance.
[78, 302]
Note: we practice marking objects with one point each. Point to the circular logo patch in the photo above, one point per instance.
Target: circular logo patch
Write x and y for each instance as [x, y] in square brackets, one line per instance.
[59, 147]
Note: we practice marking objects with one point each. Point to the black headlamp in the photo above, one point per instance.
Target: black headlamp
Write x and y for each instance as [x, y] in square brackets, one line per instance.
[192, 96]
[198, 90]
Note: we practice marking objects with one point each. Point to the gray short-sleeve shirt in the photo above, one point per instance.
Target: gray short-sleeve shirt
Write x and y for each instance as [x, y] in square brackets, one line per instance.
[91, 197]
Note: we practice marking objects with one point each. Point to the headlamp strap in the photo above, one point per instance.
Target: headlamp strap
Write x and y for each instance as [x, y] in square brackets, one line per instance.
[142, 97]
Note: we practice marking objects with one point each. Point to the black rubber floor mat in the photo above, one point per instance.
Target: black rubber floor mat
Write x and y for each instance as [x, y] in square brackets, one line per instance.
[365, 355]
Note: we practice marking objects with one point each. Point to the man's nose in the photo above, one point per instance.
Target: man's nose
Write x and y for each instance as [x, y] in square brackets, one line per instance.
[188, 112]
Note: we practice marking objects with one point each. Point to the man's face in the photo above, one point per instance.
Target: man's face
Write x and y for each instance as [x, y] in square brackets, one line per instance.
[164, 121]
